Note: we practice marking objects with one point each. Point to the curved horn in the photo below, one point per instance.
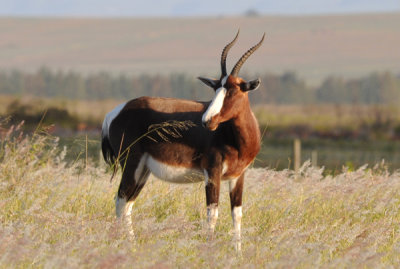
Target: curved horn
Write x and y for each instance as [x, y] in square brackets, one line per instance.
[225, 54]
[242, 59]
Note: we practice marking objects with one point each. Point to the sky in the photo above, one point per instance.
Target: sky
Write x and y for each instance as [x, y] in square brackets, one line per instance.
[173, 8]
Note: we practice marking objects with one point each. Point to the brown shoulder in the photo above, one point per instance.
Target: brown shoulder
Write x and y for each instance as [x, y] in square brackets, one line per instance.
[168, 105]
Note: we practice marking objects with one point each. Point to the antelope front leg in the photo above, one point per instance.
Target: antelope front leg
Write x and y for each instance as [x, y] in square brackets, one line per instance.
[213, 180]
[235, 193]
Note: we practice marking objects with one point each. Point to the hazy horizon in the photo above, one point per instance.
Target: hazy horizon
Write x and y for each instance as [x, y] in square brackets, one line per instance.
[185, 8]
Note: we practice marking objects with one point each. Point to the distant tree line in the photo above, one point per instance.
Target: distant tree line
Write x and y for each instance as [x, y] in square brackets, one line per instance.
[288, 88]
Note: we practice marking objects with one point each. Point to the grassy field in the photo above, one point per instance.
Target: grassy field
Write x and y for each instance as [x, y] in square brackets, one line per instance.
[59, 215]
[313, 46]
[93, 110]
[321, 117]
[340, 134]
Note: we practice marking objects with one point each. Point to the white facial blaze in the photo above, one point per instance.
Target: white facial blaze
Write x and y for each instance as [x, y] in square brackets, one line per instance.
[216, 104]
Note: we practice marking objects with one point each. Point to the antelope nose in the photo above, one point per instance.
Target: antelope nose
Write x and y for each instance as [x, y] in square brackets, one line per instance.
[204, 124]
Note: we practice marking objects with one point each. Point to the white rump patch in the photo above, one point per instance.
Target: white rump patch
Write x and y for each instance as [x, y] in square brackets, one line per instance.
[217, 102]
[171, 173]
[109, 118]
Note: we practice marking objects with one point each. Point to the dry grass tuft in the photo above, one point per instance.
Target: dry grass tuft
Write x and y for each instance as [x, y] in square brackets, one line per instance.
[59, 215]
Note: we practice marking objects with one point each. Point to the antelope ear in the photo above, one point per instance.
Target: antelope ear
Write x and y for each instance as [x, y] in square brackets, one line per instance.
[210, 82]
[250, 86]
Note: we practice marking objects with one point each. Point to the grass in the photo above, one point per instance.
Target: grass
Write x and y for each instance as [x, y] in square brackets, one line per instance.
[338, 133]
[313, 46]
[317, 116]
[325, 117]
[59, 215]
[86, 111]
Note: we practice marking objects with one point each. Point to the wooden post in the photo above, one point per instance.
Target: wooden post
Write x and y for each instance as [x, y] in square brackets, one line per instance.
[86, 155]
[297, 154]
[314, 158]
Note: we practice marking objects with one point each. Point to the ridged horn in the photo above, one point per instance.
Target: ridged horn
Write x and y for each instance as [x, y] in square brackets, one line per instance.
[242, 59]
[225, 54]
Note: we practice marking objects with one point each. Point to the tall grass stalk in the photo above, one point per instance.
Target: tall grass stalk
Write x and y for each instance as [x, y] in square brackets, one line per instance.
[55, 214]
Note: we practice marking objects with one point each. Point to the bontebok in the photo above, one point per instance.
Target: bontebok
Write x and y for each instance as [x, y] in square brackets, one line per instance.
[184, 141]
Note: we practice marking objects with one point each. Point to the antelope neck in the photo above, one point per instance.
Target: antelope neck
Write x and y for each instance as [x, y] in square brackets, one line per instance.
[247, 133]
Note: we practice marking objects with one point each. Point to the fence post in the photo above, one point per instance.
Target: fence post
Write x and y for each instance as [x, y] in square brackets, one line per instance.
[314, 158]
[297, 154]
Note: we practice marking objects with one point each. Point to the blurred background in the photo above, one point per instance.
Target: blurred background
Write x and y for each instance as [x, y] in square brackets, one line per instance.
[330, 70]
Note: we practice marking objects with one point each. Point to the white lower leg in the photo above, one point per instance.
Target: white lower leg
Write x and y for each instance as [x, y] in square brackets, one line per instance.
[128, 218]
[124, 211]
[212, 216]
[237, 219]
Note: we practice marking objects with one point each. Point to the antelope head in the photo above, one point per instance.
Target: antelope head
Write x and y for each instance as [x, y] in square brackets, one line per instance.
[231, 91]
